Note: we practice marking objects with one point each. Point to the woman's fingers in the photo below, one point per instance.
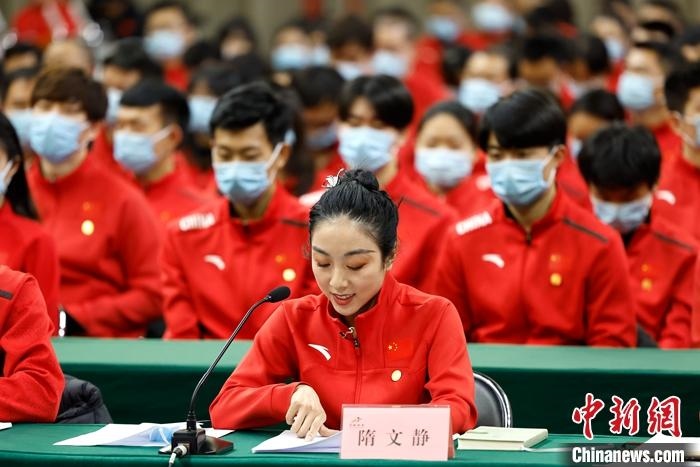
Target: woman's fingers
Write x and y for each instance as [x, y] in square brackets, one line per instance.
[315, 427]
[299, 419]
[325, 431]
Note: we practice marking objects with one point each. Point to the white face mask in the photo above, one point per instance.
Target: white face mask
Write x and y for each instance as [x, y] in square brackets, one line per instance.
[4, 182]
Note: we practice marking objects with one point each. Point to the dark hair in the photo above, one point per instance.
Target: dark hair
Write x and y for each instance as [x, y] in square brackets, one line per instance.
[18, 194]
[350, 30]
[618, 156]
[199, 53]
[541, 46]
[399, 14]
[8, 79]
[246, 105]
[219, 77]
[463, 115]
[129, 55]
[679, 84]
[659, 26]
[250, 67]
[71, 85]
[667, 55]
[691, 36]
[525, 119]
[238, 25]
[173, 104]
[22, 48]
[454, 57]
[391, 101]
[178, 5]
[357, 196]
[591, 50]
[317, 84]
[599, 103]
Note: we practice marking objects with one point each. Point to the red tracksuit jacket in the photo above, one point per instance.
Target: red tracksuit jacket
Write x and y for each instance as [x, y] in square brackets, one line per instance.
[408, 349]
[695, 319]
[215, 267]
[662, 261]
[107, 246]
[31, 383]
[25, 246]
[678, 195]
[564, 283]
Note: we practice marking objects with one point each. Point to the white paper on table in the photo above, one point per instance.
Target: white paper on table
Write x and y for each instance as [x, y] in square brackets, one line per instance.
[5, 425]
[692, 445]
[290, 442]
[116, 434]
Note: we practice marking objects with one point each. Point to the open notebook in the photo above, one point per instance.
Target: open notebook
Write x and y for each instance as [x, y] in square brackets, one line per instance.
[501, 439]
[290, 442]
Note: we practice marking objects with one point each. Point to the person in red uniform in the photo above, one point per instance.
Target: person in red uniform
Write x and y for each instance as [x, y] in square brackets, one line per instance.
[168, 31]
[105, 232]
[486, 77]
[31, 382]
[366, 339]
[395, 31]
[319, 90]
[151, 124]
[621, 166]
[220, 260]
[592, 111]
[515, 271]
[695, 318]
[375, 112]
[641, 92]
[679, 186]
[42, 21]
[445, 156]
[24, 245]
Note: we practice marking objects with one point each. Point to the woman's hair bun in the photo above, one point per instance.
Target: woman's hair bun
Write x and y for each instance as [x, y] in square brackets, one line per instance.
[362, 177]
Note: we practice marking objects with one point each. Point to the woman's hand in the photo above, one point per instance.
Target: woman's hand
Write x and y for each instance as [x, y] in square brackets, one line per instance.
[306, 415]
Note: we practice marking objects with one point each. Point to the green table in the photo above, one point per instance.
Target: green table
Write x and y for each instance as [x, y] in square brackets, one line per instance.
[32, 445]
[151, 380]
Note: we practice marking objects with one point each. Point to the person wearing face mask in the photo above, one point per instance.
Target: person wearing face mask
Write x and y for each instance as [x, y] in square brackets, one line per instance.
[319, 89]
[363, 326]
[24, 245]
[679, 185]
[591, 112]
[395, 32]
[515, 271]
[292, 49]
[641, 92]
[151, 124]
[220, 259]
[621, 166]
[169, 29]
[350, 43]
[446, 153]
[103, 227]
[590, 68]
[486, 77]
[375, 112]
[16, 93]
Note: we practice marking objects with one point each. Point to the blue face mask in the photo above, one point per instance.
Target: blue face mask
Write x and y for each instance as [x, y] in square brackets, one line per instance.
[21, 120]
[478, 94]
[389, 63]
[491, 17]
[364, 147]
[320, 55]
[442, 27]
[201, 110]
[55, 137]
[244, 182]
[290, 57]
[575, 146]
[135, 151]
[615, 49]
[442, 166]
[624, 217]
[322, 138]
[164, 44]
[349, 70]
[3, 175]
[635, 91]
[113, 97]
[519, 182]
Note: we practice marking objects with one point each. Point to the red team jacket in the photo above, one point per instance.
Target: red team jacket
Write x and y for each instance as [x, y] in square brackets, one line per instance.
[216, 266]
[662, 264]
[564, 283]
[407, 349]
[25, 246]
[31, 383]
[678, 194]
[107, 247]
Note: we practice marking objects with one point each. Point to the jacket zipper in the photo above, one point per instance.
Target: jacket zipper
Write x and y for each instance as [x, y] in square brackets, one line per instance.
[352, 334]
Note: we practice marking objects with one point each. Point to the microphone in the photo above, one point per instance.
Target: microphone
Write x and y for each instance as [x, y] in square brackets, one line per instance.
[193, 440]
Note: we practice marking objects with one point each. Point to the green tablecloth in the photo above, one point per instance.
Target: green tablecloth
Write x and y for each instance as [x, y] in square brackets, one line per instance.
[151, 380]
[32, 445]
